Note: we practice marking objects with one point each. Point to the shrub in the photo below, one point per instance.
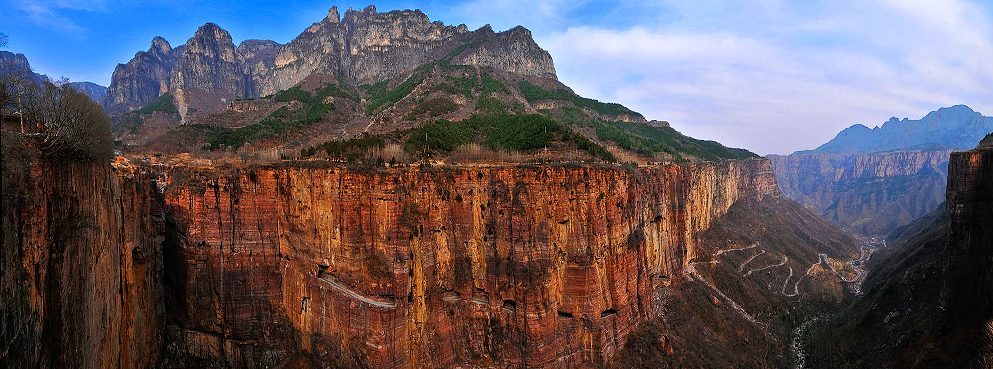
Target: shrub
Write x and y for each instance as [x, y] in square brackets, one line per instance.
[75, 126]
[534, 93]
[162, 103]
[435, 107]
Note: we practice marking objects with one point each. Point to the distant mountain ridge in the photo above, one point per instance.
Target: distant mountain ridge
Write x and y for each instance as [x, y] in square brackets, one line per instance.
[957, 127]
[93, 90]
[871, 181]
[18, 63]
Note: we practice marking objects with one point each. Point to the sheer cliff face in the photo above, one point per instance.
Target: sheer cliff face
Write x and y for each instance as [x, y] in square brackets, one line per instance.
[361, 46]
[549, 266]
[144, 78]
[210, 65]
[869, 194]
[969, 257]
[81, 266]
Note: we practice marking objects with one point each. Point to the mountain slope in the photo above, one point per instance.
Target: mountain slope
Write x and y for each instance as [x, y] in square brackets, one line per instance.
[435, 91]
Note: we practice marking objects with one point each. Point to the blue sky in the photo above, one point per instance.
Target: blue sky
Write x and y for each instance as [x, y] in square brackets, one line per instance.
[771, 76]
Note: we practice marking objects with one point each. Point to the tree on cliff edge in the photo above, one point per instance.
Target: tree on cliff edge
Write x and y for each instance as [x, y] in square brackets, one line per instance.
[73, 125]
[70, 124]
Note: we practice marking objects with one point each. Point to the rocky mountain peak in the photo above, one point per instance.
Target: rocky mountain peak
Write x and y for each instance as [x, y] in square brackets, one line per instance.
[333, 16]
[361, 46]
[160, 46]
[957, 127]
[213, 42]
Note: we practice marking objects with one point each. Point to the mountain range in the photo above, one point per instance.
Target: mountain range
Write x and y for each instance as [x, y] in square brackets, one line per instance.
[387, 191]
[871, 181]
[361, 47]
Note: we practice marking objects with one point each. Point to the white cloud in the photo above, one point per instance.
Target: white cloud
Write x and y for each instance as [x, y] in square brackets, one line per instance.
[790, 86]
[45, 13]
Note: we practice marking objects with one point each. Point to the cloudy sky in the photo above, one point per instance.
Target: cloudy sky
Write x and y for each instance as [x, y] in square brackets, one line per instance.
[767, 75]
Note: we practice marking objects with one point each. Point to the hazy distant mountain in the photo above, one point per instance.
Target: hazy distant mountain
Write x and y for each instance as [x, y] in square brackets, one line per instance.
[18, 63]
[957, 127]
[93, 90]
[871, 181]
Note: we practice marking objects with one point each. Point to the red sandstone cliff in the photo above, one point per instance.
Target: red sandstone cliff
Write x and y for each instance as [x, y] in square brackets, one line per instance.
[544, 266]
[309, 265]
[80, 264]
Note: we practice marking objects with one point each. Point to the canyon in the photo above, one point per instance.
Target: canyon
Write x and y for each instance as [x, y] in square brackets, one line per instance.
[251, 219]
[870, 182]
[928, 300]
[313, 264]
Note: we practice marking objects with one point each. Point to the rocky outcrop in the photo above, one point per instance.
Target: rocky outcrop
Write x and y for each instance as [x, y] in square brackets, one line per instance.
[360, 46]
[94, 91]
[209, 73]
[144, 78]
[17, 65]
[81, 264]
[513, 51]
[543, 266]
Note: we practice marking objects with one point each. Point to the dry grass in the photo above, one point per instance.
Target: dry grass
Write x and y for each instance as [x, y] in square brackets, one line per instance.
[390, 151]
[474, 152]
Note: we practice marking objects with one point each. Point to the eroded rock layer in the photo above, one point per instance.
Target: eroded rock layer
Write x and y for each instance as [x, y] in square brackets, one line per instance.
[81, 265]
[870, 193]
[544, 266]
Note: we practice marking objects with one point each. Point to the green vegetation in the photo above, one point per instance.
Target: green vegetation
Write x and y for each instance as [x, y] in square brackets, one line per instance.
[645, 139]
[162, 103]
[378, 94]
[281, 120]
[491, 105]
[987, 141]
[489, 85]
[348, 150]
[512, 132]
[435, 107]
[441, 136]
[534, 93]
[485, 83]
[649, 140]
[675, 142]
[291, 94]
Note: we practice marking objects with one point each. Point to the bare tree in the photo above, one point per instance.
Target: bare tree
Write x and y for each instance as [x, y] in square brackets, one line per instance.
[3, 39]
[73, 125]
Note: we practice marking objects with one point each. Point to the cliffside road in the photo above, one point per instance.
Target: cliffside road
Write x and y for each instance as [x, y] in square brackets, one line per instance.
[741, 269]
[796, 285]
[722, 252]
[785, 259]
[353, 294]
